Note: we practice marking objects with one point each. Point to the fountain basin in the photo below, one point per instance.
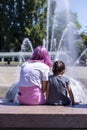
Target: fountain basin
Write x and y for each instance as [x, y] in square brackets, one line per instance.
[13, 116]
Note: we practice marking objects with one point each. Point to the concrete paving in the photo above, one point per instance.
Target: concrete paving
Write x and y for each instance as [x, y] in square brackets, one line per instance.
[10, 74]
[13, 115]
[21, 116]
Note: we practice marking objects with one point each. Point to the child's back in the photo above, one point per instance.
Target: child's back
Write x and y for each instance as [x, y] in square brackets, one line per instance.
[57, 91]
[59, 86]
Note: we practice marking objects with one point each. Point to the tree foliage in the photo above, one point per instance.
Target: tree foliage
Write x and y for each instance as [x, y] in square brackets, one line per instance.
[84, 37]
[20, 19]
[27, 18]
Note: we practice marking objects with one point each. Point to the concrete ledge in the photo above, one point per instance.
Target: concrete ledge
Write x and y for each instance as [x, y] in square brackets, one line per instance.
[21, 116]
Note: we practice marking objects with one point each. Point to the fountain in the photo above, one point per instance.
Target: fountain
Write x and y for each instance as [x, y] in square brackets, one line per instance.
[67, 47]
[65, 50]
[11, 93]
[82, 58]
[26, 45]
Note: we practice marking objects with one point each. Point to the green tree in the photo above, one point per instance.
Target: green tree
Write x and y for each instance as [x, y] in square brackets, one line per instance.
[20, 19]
[84, 37]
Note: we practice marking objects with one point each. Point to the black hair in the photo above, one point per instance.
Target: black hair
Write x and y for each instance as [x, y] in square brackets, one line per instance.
[58, 66]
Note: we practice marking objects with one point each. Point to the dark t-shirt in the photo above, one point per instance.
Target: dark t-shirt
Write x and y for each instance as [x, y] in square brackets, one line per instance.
[58, 90]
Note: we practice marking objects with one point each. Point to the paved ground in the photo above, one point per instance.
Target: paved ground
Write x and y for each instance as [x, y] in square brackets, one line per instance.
[14, 115]
[10, 75]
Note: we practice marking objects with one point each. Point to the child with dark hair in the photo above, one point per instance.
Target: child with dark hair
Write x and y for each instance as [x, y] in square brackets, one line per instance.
[59, 91]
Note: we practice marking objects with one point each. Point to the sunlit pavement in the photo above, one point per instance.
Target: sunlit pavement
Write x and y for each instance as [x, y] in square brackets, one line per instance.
[10, 74]
[41, 116]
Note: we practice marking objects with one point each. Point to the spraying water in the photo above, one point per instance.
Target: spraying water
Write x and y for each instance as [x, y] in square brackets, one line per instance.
[12, 92]
[26, 45]
[66, 48]
[82, 54]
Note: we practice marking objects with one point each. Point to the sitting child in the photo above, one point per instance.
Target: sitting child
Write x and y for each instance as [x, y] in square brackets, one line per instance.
[58, 90]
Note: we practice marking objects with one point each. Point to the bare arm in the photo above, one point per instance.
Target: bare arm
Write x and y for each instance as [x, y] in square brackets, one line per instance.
[47, 91]
[44, 86]
[71, 94]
